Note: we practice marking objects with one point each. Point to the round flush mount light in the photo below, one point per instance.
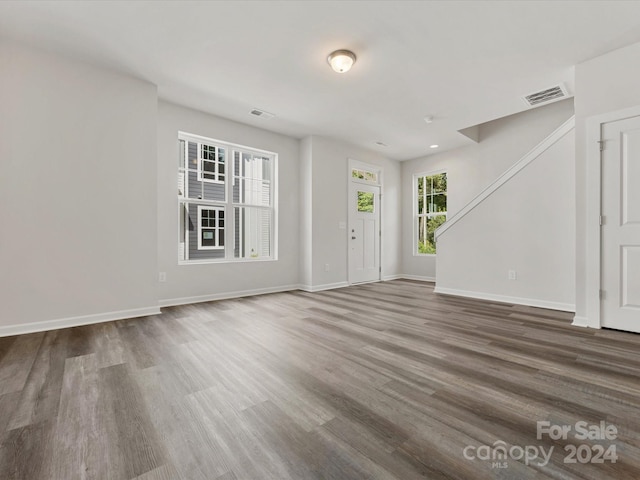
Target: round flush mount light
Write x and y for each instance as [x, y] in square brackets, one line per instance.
[434, 146]
[341, 60]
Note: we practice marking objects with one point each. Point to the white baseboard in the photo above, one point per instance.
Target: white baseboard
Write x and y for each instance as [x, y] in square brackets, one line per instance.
[582, 322]
[319, 288]
[418, 278]
[532, 302]
[225, 296]
[43, 326]
[387, 278]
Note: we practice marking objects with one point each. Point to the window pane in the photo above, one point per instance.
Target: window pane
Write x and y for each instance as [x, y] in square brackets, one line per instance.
[198, 233]
[440, 183]
[252, 184]
[266, 168]
[181, 153]
[252, 192]
[192, 155]
[252, 232]
[423, 246]
[236, 163]
[431, 210]
[438, 203]
[426, 232]
[365, 202]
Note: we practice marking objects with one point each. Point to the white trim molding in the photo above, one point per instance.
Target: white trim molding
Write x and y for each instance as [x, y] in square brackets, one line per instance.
[583, 322]
[171, 302]
[46, 325]
[531, 302]
[320, 288]
[419, 278]
[558, 134]
[388, 278]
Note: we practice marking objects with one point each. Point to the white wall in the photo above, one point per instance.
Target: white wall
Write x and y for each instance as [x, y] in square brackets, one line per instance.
[604, 84]
[526, 225]
[472, 168]
[77, 192]
[329, 189]
[186, 283]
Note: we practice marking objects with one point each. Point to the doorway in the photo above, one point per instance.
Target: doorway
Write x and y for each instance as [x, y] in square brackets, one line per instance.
[620, 224]
[364, 231]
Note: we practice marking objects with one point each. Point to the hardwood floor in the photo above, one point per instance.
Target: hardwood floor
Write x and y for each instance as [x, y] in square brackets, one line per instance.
[378, 381]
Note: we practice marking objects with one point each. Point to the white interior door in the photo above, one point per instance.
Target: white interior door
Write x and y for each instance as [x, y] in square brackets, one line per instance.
[364, 233]
[620, 283]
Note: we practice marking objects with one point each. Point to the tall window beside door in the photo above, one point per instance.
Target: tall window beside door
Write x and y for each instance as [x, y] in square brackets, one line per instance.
[226, 198]
[431, 210]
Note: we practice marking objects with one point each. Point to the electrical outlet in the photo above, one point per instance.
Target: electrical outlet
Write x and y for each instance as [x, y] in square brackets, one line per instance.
[162, 276]
[326, 267]
[513, 275]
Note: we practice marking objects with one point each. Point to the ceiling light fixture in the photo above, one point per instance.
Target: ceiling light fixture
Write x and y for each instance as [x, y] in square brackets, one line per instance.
[434, 146]
[341, 60]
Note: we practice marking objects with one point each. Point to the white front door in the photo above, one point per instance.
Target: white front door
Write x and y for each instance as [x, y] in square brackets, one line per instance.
[621, 225]
[364, 232]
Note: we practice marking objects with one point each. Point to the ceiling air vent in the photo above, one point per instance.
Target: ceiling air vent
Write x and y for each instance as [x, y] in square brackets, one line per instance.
[547, 95]
[261, 113]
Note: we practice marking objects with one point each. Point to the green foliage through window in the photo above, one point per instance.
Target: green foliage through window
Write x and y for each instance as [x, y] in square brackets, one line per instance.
[431, 210]
[364, 175]
[365, 202]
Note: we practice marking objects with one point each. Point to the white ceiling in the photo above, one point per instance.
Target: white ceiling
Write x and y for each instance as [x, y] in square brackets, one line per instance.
[465, 63]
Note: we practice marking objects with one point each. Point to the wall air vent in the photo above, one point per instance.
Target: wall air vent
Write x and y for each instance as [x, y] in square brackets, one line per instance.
[261, 113]
[547, 95]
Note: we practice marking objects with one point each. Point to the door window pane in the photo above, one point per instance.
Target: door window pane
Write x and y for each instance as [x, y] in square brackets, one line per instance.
[365, 202]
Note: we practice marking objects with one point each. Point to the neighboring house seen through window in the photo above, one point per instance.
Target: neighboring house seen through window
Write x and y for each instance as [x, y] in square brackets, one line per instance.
[431, 210]
[226, 198]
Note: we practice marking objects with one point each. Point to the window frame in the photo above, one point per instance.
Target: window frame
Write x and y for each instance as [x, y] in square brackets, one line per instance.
[228, 205]
[417, 214]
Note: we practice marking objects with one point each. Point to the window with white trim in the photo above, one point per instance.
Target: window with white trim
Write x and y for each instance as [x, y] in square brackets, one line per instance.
[226, 196]
[430, 210]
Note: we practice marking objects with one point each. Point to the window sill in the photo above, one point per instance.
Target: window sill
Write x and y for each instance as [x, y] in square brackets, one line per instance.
[424, 254]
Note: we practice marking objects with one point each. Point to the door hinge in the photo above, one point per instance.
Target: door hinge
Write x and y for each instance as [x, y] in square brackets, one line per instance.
[602, 220]
[380, 269]
[601, 143]
[603, 295]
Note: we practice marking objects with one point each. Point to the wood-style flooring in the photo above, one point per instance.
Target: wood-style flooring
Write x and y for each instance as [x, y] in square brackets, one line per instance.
[377, 381]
